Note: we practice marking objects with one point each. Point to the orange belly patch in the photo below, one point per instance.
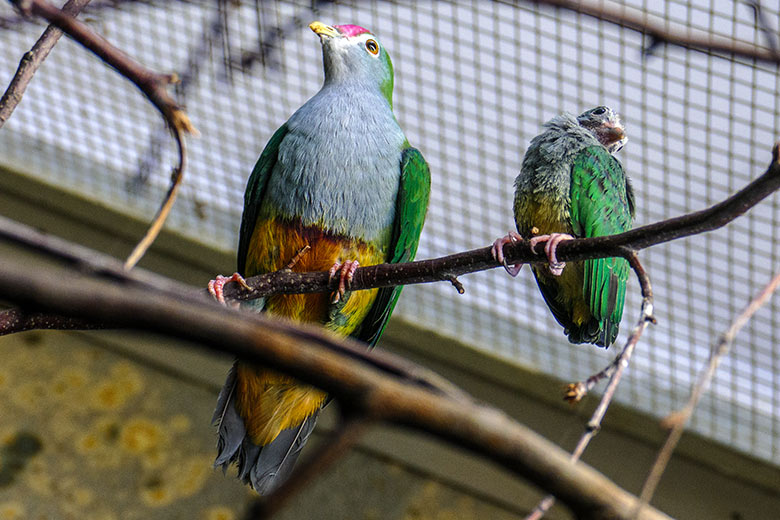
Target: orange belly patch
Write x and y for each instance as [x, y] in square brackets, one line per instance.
[268, 401]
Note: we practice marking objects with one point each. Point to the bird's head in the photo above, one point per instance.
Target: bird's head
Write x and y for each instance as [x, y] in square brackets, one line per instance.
[605, 124]
[352, 54]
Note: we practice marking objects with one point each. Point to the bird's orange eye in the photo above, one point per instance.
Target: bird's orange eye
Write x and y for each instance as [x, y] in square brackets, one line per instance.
[372, 46]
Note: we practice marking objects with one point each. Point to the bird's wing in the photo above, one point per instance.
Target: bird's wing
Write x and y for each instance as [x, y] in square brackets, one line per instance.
[411, 207]
[602, 204]
[255, 190]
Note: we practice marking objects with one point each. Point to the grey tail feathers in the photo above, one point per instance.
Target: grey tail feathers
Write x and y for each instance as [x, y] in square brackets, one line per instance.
[262, 467]
[275, 461]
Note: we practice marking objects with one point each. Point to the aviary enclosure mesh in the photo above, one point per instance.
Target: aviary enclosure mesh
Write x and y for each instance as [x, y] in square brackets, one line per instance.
[474, 82]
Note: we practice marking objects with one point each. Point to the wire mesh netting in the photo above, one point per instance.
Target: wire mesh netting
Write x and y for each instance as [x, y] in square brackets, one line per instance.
[474, 83]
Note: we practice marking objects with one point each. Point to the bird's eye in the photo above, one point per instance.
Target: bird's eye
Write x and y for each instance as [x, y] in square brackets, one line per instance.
[600, 110]
[372, 46]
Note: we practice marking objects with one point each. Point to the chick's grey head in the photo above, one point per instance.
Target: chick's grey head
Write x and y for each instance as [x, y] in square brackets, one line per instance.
[605, 124]
[354, 56]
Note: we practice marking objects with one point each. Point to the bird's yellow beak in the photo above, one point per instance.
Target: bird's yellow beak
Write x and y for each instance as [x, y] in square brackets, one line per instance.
[322, 30]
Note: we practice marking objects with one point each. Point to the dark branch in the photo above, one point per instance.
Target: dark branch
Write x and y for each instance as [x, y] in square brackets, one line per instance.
[763, 25]
[103, 267]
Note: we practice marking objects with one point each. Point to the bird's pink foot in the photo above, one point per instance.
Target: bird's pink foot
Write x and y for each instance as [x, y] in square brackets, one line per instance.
[217, 286]
[498, 251]
[551, 244]
[346, 271]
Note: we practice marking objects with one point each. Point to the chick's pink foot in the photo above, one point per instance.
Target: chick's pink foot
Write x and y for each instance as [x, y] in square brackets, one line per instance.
[346, 272]
[551, 244]
[217, 286]
[498, 251]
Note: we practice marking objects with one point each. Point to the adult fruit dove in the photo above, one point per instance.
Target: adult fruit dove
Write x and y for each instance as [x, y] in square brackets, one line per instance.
[339, 177]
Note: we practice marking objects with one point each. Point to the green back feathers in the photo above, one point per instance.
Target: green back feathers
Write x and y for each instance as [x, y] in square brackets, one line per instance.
[602, 203]
[412, 205]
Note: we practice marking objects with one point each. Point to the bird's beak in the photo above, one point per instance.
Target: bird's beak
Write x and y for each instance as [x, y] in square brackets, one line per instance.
[323, 31]
[613, 133]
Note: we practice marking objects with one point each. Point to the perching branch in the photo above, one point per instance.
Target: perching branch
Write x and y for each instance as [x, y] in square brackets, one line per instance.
[32, 60]
[444, 268]
[303, 353]
[659, 34]
[152, 84]
[438, 269]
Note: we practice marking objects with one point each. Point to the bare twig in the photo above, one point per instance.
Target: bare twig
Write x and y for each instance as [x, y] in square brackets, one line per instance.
[31, 60]
[346, 435]
[301, 352]
[576, 391]
[659, 34]
[677, 420]
[152, 84]
[615, 371]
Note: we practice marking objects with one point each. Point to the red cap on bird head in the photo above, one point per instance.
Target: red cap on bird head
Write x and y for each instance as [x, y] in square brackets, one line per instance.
[351, 30]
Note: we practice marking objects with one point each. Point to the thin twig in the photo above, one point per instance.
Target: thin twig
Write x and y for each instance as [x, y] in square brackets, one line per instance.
[677, 420]
[216, 29]
[615, 369]
[32, 60]
[347, 434]
[162, 214]
[659, 33]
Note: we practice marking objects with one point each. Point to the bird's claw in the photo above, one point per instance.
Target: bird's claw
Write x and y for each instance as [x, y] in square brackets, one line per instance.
[551, 244]
[498, 251]
[346, 272]
[217, 286]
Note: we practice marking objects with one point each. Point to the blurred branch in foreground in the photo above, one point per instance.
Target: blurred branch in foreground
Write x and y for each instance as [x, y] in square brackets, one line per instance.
[376, 394]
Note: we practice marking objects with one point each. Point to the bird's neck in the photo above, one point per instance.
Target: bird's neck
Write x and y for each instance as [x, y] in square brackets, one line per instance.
[356, 85]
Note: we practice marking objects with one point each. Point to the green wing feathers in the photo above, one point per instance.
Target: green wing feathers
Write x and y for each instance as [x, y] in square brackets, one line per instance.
[602, 203]
[255, 189]
[411, 207]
